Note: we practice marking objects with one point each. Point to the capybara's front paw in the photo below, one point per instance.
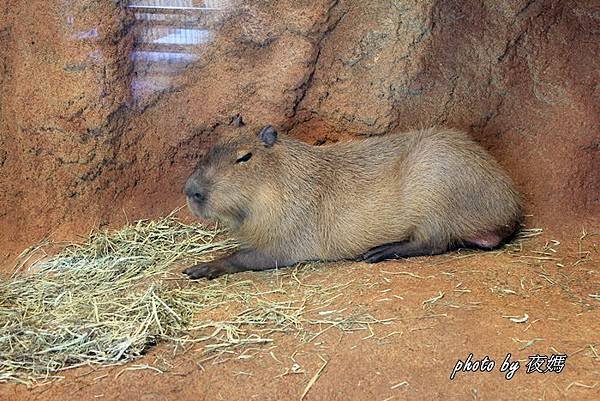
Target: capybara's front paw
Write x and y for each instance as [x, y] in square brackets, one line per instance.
[208, 270]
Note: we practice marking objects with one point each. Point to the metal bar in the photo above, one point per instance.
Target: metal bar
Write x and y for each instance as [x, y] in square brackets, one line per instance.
[173, 9]
[164, 48]
[150, 23]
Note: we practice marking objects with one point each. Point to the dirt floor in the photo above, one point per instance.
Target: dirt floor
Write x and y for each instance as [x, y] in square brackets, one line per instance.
[440, 309]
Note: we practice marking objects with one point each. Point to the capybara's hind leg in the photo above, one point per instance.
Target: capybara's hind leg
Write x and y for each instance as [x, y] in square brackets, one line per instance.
[485, 241]
[404, 249]
[493, 239]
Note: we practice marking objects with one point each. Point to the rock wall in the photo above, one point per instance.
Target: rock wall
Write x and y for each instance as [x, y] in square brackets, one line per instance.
[104, 108]
[64, 95]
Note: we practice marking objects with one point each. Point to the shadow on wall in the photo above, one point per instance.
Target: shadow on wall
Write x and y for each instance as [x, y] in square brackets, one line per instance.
[524, 79]
[521, 76]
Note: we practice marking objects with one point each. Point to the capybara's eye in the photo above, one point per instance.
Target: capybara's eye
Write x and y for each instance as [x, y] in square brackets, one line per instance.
[244, 158]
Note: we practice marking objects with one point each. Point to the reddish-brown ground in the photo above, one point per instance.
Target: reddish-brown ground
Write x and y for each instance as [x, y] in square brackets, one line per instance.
[419, 347]
[89, 131]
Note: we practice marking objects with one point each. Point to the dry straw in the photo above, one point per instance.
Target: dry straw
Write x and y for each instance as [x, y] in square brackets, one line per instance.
[108, 300]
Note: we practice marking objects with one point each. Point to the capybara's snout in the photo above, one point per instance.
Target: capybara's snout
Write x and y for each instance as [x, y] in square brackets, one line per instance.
[195, 191]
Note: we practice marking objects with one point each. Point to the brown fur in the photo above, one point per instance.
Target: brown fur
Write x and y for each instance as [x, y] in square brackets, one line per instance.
[291, 202]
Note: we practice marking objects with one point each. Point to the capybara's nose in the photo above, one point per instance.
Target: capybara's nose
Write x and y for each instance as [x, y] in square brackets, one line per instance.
[194, 192]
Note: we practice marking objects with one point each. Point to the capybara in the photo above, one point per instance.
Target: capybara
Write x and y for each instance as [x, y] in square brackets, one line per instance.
[384, 197]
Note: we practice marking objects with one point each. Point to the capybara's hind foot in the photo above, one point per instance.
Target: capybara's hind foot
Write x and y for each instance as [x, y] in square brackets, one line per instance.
[397, 250]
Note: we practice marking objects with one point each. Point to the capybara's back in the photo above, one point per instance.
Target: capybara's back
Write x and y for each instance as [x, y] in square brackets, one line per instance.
[434, 188]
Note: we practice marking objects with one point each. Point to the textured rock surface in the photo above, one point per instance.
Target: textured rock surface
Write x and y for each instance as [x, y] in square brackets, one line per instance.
[78, 146]
[65, 87]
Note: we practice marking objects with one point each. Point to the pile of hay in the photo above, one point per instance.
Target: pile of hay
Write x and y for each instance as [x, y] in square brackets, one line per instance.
[108, 300]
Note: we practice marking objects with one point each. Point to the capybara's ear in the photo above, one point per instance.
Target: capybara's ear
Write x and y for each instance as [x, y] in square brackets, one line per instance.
[237, 121]
[268, 136]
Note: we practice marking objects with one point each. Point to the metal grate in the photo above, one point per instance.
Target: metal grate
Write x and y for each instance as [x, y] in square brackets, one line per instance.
[168, 36]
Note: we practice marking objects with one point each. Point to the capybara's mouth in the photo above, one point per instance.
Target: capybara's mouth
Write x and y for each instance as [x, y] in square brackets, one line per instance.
[198, 209]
